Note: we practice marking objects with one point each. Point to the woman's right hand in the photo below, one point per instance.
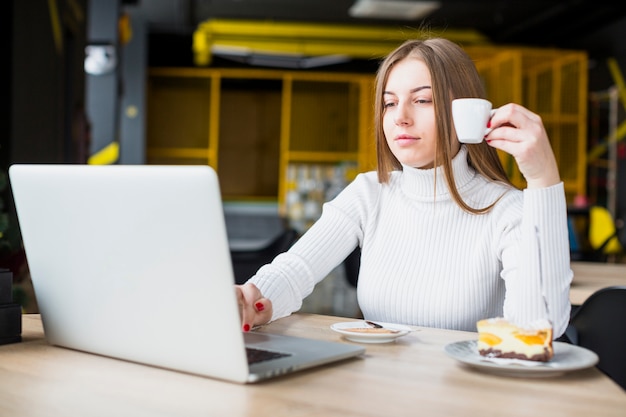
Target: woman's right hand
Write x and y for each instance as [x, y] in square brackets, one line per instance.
[254, 309]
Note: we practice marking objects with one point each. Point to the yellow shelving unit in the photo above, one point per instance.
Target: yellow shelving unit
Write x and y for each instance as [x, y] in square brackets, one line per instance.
[251, 124]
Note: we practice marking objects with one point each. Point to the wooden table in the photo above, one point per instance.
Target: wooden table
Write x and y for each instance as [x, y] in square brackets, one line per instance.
[592, 276]
[411, 376]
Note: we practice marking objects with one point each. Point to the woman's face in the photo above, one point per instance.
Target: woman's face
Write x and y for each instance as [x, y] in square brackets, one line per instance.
[409, 114]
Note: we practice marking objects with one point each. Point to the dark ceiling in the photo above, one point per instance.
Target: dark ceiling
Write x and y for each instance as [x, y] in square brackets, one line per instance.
[542, 23]
[530, 22]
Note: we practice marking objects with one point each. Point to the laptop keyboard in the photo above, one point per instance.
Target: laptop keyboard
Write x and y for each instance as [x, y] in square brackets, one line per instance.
[260, 355]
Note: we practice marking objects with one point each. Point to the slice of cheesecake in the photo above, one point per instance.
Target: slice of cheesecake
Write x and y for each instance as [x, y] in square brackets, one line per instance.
[499, 338]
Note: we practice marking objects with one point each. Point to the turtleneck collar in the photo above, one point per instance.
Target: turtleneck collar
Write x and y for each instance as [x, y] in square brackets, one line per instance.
[421, 182]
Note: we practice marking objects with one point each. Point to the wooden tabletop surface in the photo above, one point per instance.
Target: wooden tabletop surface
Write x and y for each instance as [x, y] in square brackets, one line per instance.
[408, 377]
[592, 276]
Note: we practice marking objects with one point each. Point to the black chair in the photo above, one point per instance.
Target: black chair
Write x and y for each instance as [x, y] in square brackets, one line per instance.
[247, 262]
[599, 325]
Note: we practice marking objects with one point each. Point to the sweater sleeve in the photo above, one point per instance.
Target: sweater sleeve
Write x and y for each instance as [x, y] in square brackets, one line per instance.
[292, 275]
[537, 269]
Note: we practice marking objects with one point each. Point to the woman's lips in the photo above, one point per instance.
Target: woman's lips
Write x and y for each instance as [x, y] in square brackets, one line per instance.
[405, 140]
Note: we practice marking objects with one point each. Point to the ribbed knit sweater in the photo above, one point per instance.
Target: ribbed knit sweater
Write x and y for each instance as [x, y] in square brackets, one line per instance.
[425, 261]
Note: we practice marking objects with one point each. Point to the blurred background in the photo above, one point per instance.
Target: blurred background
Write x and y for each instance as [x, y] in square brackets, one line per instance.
[276, 95]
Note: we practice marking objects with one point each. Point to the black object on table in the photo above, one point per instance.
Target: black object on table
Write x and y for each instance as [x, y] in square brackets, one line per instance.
[10, 312]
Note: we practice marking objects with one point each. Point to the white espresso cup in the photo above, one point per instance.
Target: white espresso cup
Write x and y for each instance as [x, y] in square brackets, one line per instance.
[471, 116]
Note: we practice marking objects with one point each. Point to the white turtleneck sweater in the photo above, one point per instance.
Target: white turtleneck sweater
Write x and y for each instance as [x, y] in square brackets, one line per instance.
[426, 262]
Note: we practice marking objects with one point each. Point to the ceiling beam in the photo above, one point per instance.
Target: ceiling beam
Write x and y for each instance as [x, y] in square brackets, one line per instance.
[310, 39]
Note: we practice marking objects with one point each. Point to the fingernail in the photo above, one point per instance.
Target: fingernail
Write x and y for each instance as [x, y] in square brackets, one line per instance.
[259, 306]
[489, 123]
[246, 327]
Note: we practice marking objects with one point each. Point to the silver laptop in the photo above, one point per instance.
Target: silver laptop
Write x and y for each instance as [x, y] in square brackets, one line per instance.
[132, 262]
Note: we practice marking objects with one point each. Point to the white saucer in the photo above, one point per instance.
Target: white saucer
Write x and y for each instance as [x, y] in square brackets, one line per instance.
[566, 358]
[358, 337]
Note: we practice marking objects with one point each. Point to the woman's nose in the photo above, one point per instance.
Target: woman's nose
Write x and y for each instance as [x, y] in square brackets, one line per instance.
[402, 116]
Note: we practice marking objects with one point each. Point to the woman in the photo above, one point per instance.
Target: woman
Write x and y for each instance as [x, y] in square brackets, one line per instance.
[445, 238]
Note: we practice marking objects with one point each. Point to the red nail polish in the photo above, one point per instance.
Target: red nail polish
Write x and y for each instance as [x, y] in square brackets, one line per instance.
[259, 306]
[489, 123]
[246, 327]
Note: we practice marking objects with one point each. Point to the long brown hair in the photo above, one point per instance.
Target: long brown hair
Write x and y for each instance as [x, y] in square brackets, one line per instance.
[453, 75]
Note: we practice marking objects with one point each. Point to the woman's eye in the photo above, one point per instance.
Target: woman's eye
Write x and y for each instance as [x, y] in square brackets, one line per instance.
[387, 105]
[422, 101]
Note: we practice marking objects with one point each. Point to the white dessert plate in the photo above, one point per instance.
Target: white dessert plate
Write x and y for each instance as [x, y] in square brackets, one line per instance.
[566, 358]
[350, 330]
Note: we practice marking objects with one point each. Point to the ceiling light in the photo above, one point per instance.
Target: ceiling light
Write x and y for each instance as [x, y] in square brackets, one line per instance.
[280, 60]
[392, 9]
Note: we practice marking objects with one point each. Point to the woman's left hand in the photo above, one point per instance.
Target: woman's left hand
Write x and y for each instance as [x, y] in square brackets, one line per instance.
[520, 132]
